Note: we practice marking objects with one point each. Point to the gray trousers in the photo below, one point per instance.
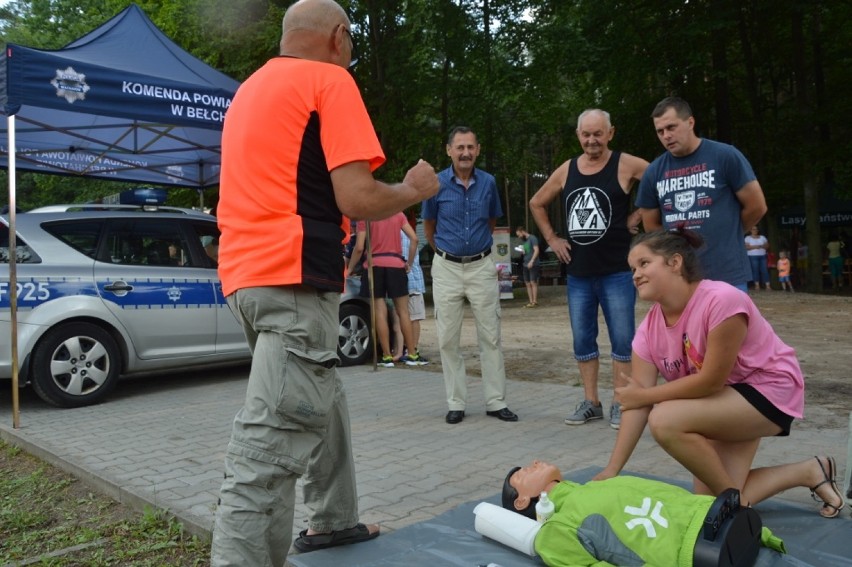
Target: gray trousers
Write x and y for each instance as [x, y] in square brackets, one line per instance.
[294, 422]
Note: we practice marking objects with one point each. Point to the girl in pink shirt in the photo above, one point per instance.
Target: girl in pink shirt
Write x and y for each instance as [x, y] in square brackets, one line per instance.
[728, 380]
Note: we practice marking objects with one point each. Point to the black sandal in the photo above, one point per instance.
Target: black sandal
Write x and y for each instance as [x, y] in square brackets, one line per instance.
[829, 478]
[306, 543]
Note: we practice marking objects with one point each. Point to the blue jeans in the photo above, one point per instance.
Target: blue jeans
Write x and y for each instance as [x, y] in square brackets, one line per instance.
[616, 295]
[759, 270]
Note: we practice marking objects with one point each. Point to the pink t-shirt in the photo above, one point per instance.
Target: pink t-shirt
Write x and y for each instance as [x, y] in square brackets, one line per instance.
[764, 361]
[386, 242]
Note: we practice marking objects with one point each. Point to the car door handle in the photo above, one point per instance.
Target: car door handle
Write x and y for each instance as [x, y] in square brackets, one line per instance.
[119, 287]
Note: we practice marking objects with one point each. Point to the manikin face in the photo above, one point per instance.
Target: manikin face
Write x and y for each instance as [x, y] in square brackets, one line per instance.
[651, 273]
[594, 134]
[675, 133]
[463, 150]
[530, 481]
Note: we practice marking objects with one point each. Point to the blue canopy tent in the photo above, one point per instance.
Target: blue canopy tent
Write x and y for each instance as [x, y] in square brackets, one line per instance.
[123, 102]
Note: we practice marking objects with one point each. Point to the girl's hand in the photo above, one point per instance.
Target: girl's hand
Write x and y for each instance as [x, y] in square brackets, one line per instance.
[632, 395]
[605, 474]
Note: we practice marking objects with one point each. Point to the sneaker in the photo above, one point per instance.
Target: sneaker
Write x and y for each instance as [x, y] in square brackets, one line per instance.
[423, 359]
[386, 361]
[413, 360]
[615, 415]
[586, 411]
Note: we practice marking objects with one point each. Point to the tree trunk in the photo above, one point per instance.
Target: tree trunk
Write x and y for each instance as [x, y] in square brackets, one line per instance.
[721, 89]
[488, 134]
[810, 177]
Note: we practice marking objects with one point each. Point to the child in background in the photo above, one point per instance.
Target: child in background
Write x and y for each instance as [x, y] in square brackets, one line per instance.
[784, 271]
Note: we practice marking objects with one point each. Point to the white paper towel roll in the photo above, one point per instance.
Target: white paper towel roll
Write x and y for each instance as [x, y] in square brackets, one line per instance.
[507, 527]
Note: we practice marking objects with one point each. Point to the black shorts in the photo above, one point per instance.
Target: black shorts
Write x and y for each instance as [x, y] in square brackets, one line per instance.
[765, 407]
[532, 274]
[387, 282]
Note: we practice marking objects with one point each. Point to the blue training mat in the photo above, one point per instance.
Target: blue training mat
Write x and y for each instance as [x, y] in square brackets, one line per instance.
[450, 540]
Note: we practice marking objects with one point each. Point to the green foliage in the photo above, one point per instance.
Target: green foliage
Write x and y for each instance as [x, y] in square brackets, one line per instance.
[769, 77]
[51, 24]
[202, 27]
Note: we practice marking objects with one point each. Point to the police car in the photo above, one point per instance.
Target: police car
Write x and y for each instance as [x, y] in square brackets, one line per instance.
[105, 291]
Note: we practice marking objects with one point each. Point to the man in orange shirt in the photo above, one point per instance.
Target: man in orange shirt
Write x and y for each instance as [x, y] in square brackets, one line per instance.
[298, 152]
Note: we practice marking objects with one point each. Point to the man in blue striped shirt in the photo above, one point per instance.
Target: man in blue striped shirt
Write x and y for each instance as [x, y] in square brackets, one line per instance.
[458, 223]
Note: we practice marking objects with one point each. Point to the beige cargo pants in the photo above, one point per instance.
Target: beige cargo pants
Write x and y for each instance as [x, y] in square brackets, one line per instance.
[294, 422]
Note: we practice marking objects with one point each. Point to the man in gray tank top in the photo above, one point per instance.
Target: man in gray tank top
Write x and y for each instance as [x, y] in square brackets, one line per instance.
[702, 185]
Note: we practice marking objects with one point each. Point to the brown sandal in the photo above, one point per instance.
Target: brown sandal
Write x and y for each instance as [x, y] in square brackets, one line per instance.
[830, 479]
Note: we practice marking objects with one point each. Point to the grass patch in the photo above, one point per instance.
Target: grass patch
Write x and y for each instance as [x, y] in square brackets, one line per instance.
[48, 517]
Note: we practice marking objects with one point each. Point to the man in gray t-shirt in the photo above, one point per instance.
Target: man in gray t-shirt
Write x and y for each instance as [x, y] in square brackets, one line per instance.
[702, 185]
[532, 264]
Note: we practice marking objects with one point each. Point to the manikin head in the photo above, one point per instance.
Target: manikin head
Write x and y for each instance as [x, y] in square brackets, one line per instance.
[524, 485]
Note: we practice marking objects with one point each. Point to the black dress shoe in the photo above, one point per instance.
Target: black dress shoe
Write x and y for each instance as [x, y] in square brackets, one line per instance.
[504, 414]
[455, 416]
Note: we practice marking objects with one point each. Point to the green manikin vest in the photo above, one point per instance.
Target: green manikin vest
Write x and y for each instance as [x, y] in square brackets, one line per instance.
[625, 521]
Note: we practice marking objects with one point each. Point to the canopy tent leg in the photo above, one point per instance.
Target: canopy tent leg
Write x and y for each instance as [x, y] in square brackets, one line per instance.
[13, 274]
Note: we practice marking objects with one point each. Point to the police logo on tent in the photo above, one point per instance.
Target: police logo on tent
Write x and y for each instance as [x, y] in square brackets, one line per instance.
[70, 84]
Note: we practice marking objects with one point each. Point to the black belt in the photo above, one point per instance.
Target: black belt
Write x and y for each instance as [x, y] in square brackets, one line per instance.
[462, 259]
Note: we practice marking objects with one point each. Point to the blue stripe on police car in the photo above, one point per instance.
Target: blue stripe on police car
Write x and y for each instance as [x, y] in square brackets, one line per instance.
[33, 292]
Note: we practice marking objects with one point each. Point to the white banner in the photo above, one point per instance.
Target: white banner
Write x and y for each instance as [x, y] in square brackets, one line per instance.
[502, 254]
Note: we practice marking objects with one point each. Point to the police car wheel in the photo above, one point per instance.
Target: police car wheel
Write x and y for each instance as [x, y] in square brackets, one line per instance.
[75, 365]
[354, 340]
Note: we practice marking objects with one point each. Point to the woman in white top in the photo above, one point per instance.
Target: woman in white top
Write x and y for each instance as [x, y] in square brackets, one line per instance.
[756, 248]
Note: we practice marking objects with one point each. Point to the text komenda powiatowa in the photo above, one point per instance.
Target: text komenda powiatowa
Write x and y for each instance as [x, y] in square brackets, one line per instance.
[200, 106]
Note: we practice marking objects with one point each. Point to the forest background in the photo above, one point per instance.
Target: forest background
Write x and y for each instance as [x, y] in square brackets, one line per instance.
[771, 77]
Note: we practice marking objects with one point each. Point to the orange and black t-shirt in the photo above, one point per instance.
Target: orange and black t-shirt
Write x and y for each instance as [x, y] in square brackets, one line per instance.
[290, 124]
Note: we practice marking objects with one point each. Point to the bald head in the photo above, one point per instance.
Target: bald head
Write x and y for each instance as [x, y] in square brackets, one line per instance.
[315, 15]
[317, 30]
